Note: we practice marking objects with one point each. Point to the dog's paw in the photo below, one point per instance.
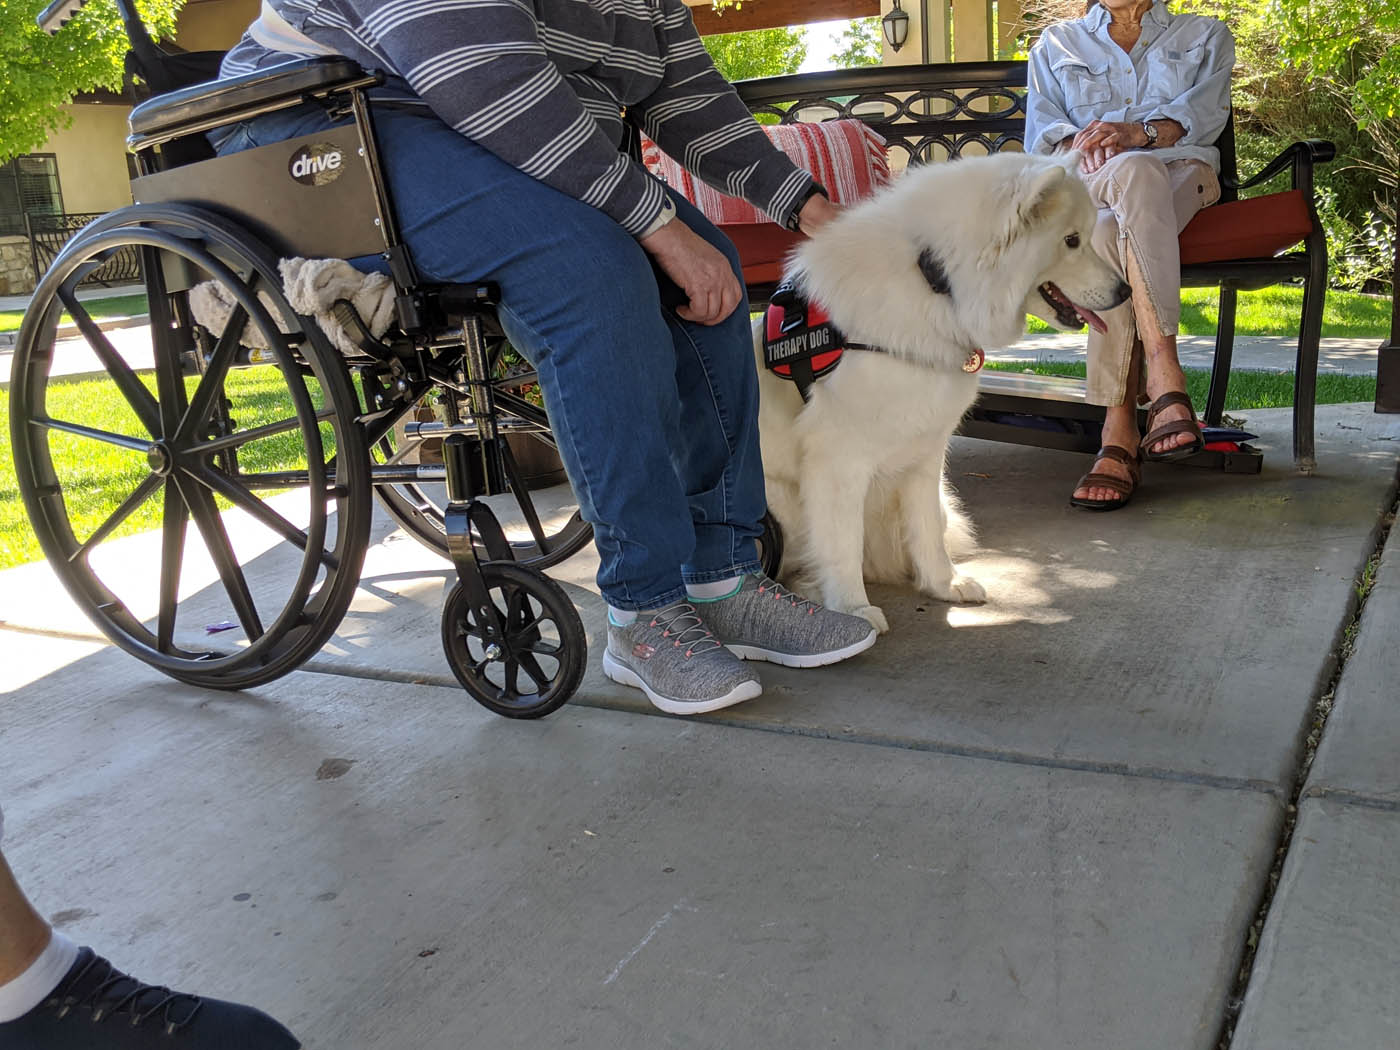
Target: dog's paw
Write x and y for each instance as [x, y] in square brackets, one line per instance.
[874, 616]
[960, 589]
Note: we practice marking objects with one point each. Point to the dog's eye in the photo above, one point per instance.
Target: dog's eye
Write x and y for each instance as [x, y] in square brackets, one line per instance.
[1072, 240]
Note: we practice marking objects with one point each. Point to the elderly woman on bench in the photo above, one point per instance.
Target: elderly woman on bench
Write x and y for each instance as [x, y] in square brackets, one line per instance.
[1143, 93]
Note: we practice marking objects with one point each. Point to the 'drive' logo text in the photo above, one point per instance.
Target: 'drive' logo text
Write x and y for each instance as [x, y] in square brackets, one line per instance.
[316, 164]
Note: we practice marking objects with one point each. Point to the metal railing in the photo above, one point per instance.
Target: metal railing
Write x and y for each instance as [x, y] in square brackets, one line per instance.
[49, 233]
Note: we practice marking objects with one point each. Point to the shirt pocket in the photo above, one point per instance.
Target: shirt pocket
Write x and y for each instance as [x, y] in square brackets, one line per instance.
[1085, 84]
[1171, 71]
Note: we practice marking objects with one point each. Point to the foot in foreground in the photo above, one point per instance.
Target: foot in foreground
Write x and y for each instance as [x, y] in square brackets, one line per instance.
[670, 655]
[763, 620]
[97, 1007]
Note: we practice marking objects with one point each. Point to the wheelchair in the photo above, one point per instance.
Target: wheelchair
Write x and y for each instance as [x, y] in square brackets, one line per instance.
[264, 421]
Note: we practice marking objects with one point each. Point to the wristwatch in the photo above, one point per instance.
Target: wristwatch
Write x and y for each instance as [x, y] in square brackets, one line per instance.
[794, 221]
[1150, 130]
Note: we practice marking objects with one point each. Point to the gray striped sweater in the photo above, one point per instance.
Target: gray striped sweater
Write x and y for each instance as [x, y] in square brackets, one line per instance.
[542, 84]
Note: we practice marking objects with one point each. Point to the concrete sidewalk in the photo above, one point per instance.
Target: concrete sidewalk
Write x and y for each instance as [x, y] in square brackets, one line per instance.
[1047, 822]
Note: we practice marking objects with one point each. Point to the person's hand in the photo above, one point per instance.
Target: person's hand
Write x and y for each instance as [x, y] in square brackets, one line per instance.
[699, 269]
[816, 213]
[1121, 135]
[1095, 157]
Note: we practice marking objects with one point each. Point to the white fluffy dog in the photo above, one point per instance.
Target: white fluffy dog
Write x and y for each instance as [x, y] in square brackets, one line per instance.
[948, 260]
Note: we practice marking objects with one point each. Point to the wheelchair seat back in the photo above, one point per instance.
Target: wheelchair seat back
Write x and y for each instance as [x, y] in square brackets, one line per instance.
[309, 196]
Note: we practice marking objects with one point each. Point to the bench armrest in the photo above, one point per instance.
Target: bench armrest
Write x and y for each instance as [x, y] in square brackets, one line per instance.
[1299, 156]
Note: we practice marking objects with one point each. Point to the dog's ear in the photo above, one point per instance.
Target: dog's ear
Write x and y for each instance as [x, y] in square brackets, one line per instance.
[1034, 196]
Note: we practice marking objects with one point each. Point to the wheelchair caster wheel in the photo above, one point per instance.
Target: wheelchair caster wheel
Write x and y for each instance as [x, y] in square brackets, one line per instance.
[770, 546]
[539, 663]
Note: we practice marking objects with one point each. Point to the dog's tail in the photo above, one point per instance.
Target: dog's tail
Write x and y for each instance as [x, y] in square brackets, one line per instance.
[961, 535]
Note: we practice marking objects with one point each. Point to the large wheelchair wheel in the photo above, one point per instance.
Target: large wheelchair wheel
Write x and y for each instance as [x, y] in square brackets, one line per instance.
[245, 427]
[541, 522]
[539, 662]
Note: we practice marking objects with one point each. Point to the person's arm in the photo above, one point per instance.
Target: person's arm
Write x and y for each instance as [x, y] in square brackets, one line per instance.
[483, 71]
[696, 116]
[1203, 108]
[1047, 116]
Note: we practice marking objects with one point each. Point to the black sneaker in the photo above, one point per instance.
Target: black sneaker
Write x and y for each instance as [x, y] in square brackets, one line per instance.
[97, 1007]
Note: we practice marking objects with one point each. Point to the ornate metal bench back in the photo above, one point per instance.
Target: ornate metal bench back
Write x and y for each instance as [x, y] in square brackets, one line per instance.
[924, 113]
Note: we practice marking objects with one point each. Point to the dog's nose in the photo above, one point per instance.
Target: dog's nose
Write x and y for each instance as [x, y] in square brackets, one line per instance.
[1122, 293]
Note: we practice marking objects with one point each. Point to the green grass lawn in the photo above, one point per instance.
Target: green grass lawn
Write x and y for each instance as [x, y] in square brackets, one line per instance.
[112, 306]
[1247, 390]
[1275, 311]
[1271, 311]
[96, 477]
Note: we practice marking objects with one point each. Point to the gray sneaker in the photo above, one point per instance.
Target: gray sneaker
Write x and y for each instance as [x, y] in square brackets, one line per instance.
[765, 621]
[671, 656]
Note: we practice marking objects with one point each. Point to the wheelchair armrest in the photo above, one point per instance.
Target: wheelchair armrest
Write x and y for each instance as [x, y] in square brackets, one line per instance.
[203, 106]
[1300, 157]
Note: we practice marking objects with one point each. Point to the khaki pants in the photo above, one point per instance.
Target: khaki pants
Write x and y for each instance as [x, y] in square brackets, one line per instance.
[1144, 204]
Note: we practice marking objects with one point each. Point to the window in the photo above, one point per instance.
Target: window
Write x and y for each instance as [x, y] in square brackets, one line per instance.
[28, 186]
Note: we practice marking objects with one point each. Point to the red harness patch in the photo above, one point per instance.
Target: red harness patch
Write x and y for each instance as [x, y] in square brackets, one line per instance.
[797, 332]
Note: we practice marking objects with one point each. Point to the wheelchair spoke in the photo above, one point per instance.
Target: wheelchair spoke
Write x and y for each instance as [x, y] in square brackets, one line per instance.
[532, 668]
[523, 500]
[211, 527]
[242, 437]
[211, 384]
[533, 626]
[512, 685]
[92, 433]
[245, 500]
[135, 392]
[170, 380]
[542, 648]
[142, 493]
[172, 554]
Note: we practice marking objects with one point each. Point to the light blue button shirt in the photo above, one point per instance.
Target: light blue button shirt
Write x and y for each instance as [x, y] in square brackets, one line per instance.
[1179, 69]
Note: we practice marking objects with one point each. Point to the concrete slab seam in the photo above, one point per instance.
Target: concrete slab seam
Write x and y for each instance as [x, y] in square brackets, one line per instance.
[1311, 739]
[1351, 798]
[1122, 769]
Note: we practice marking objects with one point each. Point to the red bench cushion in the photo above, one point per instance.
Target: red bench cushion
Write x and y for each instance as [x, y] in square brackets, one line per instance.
[846, 156]
[1256, 228]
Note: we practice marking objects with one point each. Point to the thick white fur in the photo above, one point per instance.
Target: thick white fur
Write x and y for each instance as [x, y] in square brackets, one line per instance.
[856, 476]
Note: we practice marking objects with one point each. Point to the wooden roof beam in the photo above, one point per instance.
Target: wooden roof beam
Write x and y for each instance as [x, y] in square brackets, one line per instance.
[768, 14]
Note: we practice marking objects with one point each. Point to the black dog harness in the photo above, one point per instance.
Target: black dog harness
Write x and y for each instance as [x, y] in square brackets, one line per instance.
[801, 344]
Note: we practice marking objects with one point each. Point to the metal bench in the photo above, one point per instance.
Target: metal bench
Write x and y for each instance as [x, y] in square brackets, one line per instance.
[929, 113]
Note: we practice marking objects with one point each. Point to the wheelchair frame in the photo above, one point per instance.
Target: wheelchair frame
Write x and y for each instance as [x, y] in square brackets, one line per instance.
[505, 623]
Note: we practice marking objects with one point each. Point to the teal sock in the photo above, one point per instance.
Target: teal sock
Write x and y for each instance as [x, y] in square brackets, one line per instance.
[715, 589]
[621, 617]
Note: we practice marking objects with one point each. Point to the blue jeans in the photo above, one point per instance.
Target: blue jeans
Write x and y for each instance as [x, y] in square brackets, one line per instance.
[656, 418]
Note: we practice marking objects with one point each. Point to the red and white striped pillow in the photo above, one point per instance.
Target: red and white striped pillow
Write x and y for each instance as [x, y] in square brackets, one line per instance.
[845, 156]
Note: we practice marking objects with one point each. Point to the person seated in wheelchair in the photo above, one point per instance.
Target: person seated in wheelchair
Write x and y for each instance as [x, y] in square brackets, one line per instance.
[499, 126]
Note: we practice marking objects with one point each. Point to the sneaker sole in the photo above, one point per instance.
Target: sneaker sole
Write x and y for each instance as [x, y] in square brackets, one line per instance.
[831, 656]
[624, 675]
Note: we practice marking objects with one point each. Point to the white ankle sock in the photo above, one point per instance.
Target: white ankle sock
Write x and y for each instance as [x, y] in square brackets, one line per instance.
[621, 617]
[714, 590]
[28, 990]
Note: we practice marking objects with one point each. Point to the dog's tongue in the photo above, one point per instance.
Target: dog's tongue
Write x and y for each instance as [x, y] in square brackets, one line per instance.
[1092, 319]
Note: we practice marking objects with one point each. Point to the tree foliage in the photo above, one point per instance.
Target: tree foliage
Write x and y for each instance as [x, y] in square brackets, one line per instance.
[1355, 40]
[756, 53]
[40, 73]
[860, 44]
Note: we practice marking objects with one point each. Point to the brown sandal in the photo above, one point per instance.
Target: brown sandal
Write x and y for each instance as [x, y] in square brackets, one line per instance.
[1109, 481]
[1177, 426]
